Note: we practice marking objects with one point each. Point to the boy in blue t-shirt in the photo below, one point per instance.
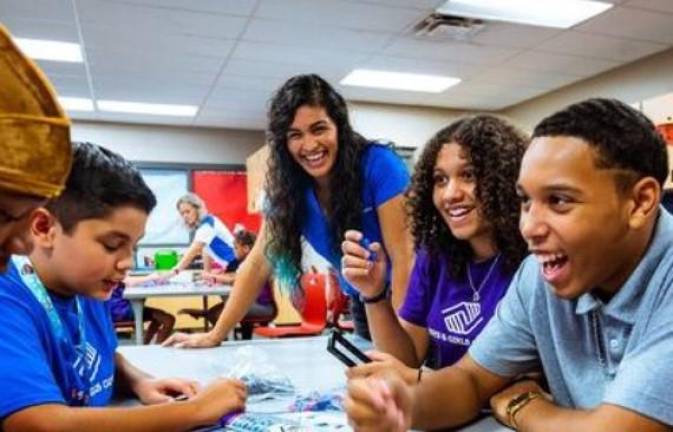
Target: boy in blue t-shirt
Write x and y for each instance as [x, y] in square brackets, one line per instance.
[57, 345]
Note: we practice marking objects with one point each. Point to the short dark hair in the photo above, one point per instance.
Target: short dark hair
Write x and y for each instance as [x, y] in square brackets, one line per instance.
[245, 238]
[623, 137]
[100, 181]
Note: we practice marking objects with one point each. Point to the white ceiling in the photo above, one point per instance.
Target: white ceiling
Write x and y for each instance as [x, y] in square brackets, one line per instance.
[227, 56]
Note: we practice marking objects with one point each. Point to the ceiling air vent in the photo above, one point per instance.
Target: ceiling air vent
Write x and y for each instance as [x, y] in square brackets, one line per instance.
[439, 26]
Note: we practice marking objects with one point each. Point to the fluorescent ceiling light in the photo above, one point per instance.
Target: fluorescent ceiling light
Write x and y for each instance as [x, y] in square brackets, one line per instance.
[76, 104]
[399, 81]
[147, 108]
[546, 13]
[50, 50]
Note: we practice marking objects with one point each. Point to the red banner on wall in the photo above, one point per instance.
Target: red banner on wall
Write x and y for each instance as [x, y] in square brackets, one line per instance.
[226, 196]
[666, 130]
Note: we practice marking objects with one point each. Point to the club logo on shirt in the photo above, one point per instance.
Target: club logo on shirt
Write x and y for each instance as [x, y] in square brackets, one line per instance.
[462, 318]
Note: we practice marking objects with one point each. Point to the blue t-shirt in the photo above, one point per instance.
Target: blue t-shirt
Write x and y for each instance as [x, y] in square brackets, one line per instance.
[592, 353]
[446, 306]
[33, 368]
[384, 177]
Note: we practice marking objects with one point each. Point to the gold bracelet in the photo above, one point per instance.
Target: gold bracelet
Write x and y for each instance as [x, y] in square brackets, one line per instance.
[517, 403]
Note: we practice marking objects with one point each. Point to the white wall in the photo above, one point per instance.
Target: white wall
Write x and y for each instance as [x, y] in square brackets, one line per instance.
[407, 126]
[151, 143]
[632, 83]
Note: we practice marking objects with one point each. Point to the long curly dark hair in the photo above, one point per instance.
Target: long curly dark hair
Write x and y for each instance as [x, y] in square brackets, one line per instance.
[286, 180]
[494, 149]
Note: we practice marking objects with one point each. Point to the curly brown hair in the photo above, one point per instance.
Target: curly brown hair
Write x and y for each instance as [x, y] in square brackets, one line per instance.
[286, 180]
[494, 148]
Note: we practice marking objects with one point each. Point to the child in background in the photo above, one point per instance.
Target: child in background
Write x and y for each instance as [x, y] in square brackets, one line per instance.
[161, 322]
[58, 355]
[264, 305]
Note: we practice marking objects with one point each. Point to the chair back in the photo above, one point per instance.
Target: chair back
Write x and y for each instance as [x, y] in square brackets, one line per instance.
[314, 310]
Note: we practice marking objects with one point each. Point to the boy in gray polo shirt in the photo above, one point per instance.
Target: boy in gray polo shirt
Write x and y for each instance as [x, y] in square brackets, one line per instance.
[592, 305]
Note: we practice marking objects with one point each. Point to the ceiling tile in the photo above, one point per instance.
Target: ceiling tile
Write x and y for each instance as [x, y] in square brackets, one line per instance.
[399, 64]
[513, 35]
[221, 98]
[150, 90]
[338, 13]
[426, 5]
[231, 7]
[332, 62]
[548, 62]
[144, 20]
[262, 68]
[249, 83]
[35, 28]
[39, 10]
[600, 47]
[516, 77]
[653, 5]
[632, 23]
[449, 51]
[313, 35]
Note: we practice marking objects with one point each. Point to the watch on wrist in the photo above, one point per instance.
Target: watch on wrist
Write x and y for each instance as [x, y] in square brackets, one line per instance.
[375, 299]
[517, 403]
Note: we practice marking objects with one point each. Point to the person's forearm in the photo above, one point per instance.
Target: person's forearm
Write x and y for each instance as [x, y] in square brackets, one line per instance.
[542, 415]
[539, 415]
[388, 335]
[127, 375]
[402, 261]
[178, 416]
[248, 284]
[449, 398]
[226, 278]
[189, 256]
[207, 263]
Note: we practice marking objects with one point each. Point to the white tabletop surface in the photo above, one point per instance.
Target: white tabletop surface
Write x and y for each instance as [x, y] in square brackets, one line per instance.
[304, 361]
[175, 290]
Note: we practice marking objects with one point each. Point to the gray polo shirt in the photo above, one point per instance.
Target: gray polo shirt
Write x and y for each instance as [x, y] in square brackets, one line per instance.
[619, 353]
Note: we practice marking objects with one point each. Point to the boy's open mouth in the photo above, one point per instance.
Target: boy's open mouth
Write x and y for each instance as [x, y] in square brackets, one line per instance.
[554, 265]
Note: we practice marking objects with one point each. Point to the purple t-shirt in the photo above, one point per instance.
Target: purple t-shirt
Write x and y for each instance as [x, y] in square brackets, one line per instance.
[447, 307]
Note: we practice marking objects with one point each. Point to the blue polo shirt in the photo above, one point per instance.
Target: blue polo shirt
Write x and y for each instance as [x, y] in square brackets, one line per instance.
[592, 353]
[384, 176]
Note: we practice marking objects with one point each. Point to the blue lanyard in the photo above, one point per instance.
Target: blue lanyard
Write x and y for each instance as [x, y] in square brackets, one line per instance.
[79, 394]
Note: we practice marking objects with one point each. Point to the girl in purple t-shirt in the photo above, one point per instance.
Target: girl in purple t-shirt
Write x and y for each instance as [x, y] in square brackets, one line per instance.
[464, 213]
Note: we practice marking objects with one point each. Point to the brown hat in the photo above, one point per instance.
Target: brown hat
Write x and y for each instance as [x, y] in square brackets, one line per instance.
[35, 155]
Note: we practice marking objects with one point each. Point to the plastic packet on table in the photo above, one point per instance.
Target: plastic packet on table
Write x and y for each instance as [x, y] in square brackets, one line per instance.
[255, 422]
[263, 378]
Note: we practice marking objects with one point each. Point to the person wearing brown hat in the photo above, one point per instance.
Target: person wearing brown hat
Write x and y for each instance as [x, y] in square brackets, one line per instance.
[34, 144]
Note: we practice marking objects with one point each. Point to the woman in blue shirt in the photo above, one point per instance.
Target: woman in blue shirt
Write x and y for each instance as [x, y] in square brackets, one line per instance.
[323, 179]
[212, 239]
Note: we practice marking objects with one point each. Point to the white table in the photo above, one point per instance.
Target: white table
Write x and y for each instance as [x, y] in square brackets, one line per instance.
[138, 294]
[304, 360]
